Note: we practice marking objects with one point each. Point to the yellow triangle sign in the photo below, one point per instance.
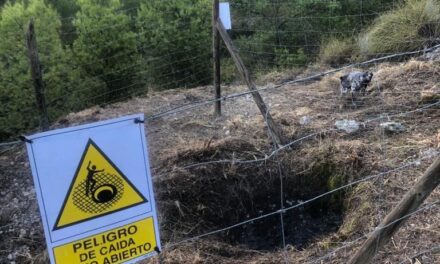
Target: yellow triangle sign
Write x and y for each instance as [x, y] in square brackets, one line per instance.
[98, 188]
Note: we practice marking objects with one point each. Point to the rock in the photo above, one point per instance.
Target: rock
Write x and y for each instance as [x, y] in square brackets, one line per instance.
[430, 153]
[432, 55]
[22, 233]
[393, 127]
[349, 126]
[305, 120]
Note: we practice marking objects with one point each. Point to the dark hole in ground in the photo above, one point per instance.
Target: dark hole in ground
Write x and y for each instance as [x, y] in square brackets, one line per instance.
[300, 228]
[207, 198]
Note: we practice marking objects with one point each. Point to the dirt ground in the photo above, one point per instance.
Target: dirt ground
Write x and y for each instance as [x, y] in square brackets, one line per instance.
[195, 198]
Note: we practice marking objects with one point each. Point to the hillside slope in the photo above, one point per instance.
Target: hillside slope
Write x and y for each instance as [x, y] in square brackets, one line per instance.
[195, 199]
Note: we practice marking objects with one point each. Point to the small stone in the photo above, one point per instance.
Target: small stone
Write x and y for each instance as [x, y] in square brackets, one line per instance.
[22, 233]
[305, 120]
[430, 153]
[349, 126]
[10, 257]
[392, 127]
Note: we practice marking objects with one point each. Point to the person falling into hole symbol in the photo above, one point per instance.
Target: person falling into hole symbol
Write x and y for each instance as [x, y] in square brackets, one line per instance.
[90, 183]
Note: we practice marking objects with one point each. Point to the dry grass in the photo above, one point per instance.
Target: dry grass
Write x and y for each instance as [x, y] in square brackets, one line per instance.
[411, 26]
[336, 52]
[195, 200]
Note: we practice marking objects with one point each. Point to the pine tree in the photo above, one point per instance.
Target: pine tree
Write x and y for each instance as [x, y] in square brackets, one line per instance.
[18, 111]
[106, 49]
[178, 38]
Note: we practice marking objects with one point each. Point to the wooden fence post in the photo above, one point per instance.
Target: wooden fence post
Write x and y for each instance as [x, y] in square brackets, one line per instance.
[276, 133]
[36, 75]
[216, 57]
[392, 222]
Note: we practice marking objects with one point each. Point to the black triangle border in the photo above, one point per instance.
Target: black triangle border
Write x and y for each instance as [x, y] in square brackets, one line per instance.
[91, 142]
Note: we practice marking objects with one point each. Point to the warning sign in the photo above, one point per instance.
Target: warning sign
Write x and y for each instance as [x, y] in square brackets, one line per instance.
[94, 189]
[114, 246]
[98, 188]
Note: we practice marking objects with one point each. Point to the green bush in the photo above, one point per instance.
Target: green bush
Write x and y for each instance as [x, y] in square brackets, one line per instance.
[18, 111]
[228, 71]
[286, 59]
[335, 51]
[106, 49]
[178, 38]
[412, 25]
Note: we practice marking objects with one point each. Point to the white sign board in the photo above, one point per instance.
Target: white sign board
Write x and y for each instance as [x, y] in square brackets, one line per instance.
[225, 15]
[95, 193]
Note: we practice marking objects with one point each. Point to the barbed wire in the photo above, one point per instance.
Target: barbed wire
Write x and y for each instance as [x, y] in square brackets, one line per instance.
[192, 105]
[332, 252]
[351, 243]
[134, 74]
[299, 80]
[291, 143]
[367, 178]
[312, 78]
[431, 250]
[274, 54]
[290, 18]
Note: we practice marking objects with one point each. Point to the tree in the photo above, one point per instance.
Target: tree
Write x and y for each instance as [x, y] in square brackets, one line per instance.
[176, 41]
[17, 95]
[289, 33]
[67, 10]
[106, 49]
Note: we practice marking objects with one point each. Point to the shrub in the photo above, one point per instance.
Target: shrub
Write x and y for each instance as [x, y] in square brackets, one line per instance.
[338, 51]
[178, 35]
[229, 73]
[17, 97]
[106, 49]
[287, 59]
[412, 25]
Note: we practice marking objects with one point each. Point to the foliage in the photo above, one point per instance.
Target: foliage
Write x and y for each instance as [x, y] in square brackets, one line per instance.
[178, 34]
[228, 71]
[106, 49]
[413, 25]
[281, 33]
[16, 94]
[285, 59]
[66, 9]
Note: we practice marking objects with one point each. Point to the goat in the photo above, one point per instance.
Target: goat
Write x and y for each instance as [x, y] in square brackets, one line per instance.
[355, 82]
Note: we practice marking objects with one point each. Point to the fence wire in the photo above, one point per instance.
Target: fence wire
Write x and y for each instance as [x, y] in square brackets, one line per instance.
[284, 210]
[245, 47]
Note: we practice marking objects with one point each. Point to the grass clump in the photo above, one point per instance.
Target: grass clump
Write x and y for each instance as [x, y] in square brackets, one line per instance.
[338, 51]
[411, 26]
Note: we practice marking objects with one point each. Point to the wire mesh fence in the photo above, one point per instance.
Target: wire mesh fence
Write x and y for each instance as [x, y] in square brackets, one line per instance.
[101, 66]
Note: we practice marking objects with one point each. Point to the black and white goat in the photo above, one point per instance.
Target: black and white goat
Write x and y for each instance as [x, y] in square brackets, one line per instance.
[355, 82]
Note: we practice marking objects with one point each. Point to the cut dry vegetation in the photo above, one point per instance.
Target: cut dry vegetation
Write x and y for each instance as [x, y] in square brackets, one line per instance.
[210, 173]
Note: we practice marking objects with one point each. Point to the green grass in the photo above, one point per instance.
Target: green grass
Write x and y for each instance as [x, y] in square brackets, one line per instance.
[411, 26]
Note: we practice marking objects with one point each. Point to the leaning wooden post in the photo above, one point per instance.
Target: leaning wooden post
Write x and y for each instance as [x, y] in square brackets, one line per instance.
[216, 57]
[278, 137]
[409, 203]
[36, 75]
